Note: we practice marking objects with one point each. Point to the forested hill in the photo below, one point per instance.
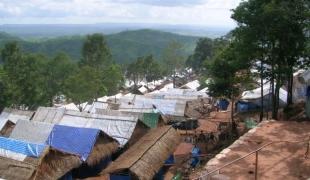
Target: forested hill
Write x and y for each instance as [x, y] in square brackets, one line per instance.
[125, 46]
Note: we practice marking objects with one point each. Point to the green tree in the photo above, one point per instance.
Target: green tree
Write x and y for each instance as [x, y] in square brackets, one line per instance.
[113, 79]
[135, 71]
[25, 80]
[203, 51]
[95, 52]
[277, 32]
[57, 71]
[173, 59]
[84, 86]
[229, 75]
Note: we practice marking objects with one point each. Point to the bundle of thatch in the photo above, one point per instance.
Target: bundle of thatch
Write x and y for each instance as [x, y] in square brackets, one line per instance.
[144, 159]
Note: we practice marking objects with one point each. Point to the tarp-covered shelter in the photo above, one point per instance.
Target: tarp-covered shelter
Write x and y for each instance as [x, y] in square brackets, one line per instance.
[120, 128]
[178, 94]
[117, 127]
[145, 158]
[24, 160]
[31, 131]
[14, 115]
[164, 106]
[48, 114]
[151, 119]
[254, 96]
[301, 82]
[90, 145]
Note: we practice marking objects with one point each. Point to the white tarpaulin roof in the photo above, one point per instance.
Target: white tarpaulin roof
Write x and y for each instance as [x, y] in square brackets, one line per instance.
[31, 131]
[256, 93]
[14, 115]
[118, 127]
[48, 114]
[192, 85]
[70, 106]
[179, 94]
[143, 89]
[165, 106]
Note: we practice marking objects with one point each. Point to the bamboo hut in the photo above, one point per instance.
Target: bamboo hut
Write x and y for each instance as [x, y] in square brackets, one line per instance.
[145, 158]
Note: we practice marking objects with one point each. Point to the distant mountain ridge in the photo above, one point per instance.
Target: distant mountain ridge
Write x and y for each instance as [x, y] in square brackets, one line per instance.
[125, 46]
[35, 31]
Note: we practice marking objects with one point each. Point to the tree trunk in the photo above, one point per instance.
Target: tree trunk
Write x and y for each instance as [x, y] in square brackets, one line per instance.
[290, 87]
[261, 92]
[274, 111]
[174, 74]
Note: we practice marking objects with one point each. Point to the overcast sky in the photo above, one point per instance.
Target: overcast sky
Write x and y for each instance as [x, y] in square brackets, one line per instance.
[199, 12]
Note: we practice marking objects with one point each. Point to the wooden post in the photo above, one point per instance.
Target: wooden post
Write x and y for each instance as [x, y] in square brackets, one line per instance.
[256, 164]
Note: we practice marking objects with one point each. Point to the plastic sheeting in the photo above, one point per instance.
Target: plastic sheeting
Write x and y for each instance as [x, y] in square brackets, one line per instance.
[78, 141]
[165, 106]
[49, 114]
[119, 128]
[192, 85]
[31, 131]
[22, 147]
[13, 115]
[12, 155]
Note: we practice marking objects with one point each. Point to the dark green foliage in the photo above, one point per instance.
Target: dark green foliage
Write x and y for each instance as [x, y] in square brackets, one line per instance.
[144, 68]
[24, 80]
[275, 33]
[58, 69]
[84, 86]
[95, 52]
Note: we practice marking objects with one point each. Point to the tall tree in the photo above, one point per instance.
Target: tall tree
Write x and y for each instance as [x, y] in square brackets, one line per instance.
[277, 29]
[57, 71]
[84, 86]
[25, 82]
[203, 51]
[173, 59]
[95, 52]
[113, 79]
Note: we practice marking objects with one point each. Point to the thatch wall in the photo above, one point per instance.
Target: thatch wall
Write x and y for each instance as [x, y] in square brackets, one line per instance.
[12, 169]
[55, 164]
[147, 156]
[105, 146]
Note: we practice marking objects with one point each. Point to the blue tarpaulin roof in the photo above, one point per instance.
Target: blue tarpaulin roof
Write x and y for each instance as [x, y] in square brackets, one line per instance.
[73, 140]
[22, 147]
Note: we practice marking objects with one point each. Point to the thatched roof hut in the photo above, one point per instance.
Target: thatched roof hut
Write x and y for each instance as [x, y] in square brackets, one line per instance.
[23, 160]
[100, 146]
[144, 159]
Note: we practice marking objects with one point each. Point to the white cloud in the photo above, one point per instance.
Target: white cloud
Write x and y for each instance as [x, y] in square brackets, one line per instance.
[203, 12]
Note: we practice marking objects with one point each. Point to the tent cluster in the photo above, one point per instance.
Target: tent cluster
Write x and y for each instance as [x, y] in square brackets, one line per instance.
[133, 132]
